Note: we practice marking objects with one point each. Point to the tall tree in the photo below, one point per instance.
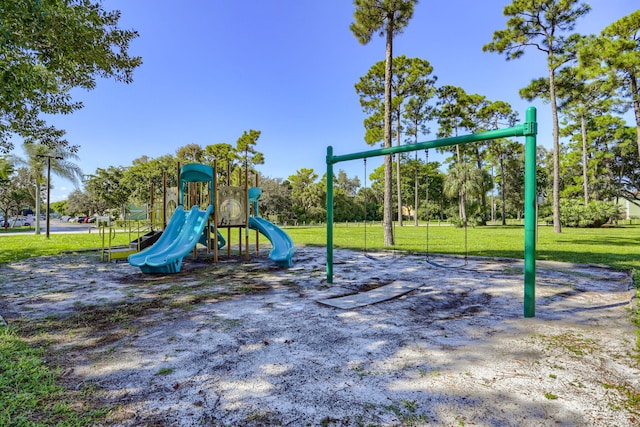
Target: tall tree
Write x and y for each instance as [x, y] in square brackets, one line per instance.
[542, 24]
[411, 78]
[617, 52]
[506, 154]
[586, 99]
[418, 113]
[490, 116]
[146, 172]
[245, 146]
[451, 112]
[305, 194]
[48, 48]
[387, 18]
[14, 193]
[464, 179]
[107, 185]
[226, 157]
[580, 98]
[191, 153]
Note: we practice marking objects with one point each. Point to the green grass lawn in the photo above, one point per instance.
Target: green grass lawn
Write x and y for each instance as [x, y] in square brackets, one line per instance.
[14, 247]
[617, 247]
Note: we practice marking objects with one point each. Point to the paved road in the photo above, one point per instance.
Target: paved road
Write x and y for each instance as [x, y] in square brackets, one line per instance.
[57, 226]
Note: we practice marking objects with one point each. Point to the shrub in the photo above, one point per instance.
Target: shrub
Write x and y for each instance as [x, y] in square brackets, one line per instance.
[573, 213]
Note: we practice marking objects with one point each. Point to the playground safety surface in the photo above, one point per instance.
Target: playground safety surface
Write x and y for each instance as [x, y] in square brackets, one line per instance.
[247, 343]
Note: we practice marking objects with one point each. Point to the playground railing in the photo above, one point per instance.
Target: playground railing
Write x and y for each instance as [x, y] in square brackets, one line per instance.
[108, 232]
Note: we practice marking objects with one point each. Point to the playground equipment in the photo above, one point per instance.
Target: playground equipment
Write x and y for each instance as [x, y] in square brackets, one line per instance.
[528, 129]
[229, 207]
[282, 246]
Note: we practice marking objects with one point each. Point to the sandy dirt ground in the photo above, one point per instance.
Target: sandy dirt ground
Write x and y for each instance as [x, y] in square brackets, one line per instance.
[247, 343]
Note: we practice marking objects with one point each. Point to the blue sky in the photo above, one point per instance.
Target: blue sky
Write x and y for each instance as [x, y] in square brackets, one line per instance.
[213, 69]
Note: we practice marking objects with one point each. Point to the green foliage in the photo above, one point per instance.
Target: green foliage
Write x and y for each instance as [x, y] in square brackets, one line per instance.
[542, 25]
[6, 169]
[245, 147]
[614, 53]
[412, 85]
[108, 186]
[48, 48]
[14, 193]
[376, 16]
[575, 214]
[145, 172]
[59, 207]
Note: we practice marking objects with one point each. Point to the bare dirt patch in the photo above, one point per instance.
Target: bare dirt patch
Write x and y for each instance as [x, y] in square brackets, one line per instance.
[248, 344]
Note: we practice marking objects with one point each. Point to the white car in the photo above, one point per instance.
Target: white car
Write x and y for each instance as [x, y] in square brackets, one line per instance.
[18, 222]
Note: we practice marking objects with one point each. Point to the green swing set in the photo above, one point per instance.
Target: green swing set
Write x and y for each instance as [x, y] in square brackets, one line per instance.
[528, 129]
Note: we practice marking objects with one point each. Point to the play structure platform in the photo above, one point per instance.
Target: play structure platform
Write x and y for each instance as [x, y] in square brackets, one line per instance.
[188, 228]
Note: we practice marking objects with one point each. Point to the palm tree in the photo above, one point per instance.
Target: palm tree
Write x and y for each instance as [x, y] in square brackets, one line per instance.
[463, 180]
[6, 168]
[37, 158]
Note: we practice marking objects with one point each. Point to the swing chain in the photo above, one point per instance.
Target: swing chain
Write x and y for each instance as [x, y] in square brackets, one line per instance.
[466, 240]
[364, 202]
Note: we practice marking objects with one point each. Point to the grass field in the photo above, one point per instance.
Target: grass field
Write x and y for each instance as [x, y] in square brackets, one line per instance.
[14, 247]
[617, 247]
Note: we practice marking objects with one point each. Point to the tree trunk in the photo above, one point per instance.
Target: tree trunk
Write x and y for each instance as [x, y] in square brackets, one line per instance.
[557, 227]
[503, 191]
[38, 207]
[416, 199]
[398, 177]
[585, 160]
[461, 208]
[387, 218]
[636, 108]
[483, 196]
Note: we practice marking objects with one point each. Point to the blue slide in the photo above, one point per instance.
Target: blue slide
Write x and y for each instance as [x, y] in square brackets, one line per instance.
[221, 241]
[283, 248]
[179, 238]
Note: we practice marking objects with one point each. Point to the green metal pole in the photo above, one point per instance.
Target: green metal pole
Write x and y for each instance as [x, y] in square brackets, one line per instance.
[520, 130]
[530, 214]
[329, 214]
[529, 129]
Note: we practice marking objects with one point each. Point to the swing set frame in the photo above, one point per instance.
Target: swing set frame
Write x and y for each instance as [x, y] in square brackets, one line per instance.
[528, 129]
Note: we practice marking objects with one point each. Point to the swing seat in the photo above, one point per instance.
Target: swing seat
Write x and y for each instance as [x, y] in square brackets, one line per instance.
[435, 264]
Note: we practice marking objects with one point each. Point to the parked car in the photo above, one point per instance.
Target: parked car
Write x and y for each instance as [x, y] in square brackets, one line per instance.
[16, 222]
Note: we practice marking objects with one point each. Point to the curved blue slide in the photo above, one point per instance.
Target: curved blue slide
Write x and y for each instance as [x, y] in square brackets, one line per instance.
[221, 240]
[179, 238]
[283, 248]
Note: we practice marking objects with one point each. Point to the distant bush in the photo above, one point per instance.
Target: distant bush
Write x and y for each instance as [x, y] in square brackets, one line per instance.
[573, 213]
